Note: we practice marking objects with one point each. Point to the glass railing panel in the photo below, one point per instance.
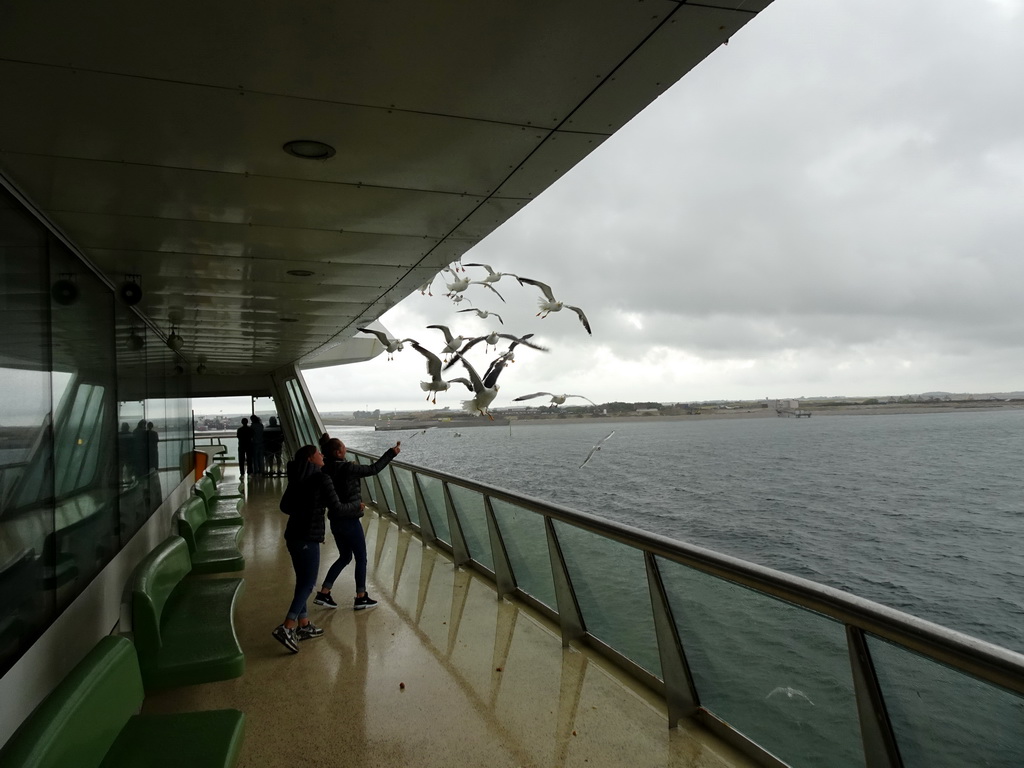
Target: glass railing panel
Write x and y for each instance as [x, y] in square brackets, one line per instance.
[777, 673]
[469, 508]
[433, 496]
[943, 717]
[610, 582]
[404, 480]
[389, 493]
[526, 544]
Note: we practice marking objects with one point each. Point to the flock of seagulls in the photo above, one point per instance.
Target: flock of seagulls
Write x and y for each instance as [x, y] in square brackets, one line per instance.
[483, 389]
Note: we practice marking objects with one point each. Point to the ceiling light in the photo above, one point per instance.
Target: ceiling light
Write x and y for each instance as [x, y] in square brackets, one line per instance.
[300, 273]
[289, 319]
[174, 341]
[201, 368]
[308, 149]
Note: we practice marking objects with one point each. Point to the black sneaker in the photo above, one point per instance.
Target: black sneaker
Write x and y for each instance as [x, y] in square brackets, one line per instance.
[308, 631]
[325, 600]
[364, 602]
[286, 637]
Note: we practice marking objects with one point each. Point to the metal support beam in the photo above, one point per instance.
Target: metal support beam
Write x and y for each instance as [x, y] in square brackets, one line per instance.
[680, 692]
[880, 750]
[569, 616]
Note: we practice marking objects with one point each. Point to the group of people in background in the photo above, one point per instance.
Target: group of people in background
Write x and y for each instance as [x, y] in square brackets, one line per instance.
[324, 488]
[139, 449]
[260, 448]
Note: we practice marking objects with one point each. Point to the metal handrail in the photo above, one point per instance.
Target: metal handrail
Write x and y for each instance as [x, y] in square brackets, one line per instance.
[985, 660]
[988, 662]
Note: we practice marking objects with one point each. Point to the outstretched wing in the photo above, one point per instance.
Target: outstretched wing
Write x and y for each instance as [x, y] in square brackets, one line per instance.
[523, 340]
[596, 448]
[496, 367]
[462, 380]
[444, 329]
[494, 289]
[474, 377]
[583, 318]
[379, 334]
[543, 286]
[529, 397]
[433, 361]
[585, 398]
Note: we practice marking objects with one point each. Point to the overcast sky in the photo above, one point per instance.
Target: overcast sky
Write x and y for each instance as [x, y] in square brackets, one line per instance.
[832, 204]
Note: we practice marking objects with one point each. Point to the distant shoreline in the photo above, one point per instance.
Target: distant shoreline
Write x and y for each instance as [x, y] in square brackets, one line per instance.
[816, 411]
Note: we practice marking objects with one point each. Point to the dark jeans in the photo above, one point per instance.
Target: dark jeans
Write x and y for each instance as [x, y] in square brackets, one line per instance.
[306, 562]
[245, 460]
[348, 535]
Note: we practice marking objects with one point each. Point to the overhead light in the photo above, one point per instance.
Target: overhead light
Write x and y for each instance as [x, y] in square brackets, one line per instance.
[174, 341]
[201, 368]
[289, 319]
[135, 341]
[309, 149]
[300, 273]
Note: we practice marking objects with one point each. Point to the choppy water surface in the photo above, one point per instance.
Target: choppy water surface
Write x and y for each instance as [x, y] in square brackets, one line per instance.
[922, 512]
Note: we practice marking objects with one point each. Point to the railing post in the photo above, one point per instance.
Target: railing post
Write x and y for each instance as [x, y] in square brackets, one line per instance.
[680, 691]
[880, 748]
[503, 576]
[427, 532]
[569, 617]
[460, 552]
[382, 498]
[401, 510]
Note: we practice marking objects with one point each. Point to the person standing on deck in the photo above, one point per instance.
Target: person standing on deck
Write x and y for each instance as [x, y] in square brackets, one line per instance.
[244, 435]
[309, 492]
[257, 446]
[345, 525]
[273, 444]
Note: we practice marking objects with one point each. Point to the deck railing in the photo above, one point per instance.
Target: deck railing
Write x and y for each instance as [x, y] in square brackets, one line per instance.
[790, 671]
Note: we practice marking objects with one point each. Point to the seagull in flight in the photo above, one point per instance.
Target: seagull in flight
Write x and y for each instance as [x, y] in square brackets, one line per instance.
[506, 356]
[460, 284]
[485, 389]
[790, 694]
[492, 276]
[551, 304]
[597, 448]
[555, 399]
[491, 340]
[391, 345]
[452, 342]
[483, 314]
[436, 383]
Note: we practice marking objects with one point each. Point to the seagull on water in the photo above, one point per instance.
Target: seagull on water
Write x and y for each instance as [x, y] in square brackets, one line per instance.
[436, 383]
[597, 448]
[391, 345]
[551, 304]
[492, 276]
[555, 399]
[483, 314]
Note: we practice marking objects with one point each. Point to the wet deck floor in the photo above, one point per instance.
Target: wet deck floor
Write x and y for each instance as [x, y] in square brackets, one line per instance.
[440, 673]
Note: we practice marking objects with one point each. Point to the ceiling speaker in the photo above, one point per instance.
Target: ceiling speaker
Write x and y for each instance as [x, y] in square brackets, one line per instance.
[64, 292]
[130, 293]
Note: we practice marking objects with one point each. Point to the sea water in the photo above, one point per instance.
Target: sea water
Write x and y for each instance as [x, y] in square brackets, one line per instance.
[920, 512]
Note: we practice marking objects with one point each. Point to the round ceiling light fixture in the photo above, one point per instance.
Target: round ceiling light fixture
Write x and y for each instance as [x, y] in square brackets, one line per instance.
[174, 341]
[299, 273]
[309, 149]
[289, 319]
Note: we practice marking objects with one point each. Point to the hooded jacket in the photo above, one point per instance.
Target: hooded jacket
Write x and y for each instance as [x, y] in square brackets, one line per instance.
[346, 475]
[309, 494]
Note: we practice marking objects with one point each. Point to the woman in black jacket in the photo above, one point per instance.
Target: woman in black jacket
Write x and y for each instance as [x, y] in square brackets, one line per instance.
[345, 525]
[310, 493]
